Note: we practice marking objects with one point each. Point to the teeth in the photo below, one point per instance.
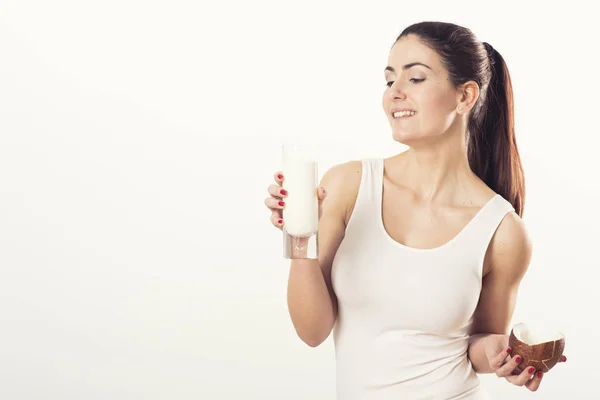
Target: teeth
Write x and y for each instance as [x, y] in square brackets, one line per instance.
[399, 114]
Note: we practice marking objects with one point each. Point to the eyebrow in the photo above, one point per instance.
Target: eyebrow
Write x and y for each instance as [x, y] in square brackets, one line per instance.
[407, 66]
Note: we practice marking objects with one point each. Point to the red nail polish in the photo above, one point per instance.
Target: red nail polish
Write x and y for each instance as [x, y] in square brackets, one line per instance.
[540, 374]
[508, 350]
[518, 359]
[280, 176]
[283, 192]
[281, 203]
[280, 221]
[531, 370]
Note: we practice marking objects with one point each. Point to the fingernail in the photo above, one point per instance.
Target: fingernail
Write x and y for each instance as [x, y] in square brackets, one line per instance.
[283, 192]
[280, 176]
[508, 349]
[518, 359]
[531, 370]
[563, 358]
[280, 221]
[281, 203]
[540, 374]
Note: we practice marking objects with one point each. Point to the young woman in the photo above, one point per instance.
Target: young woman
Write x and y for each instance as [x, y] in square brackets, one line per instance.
[421, 254]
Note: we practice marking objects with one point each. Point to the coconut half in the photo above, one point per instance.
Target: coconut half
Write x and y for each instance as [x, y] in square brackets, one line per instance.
[540, 347]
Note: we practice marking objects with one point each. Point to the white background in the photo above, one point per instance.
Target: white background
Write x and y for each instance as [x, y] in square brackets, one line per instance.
[137, 141]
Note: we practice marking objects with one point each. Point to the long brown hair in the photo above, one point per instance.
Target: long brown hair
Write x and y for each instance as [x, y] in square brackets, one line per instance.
[491, 144]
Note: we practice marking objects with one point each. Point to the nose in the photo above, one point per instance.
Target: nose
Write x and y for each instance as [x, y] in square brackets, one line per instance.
[396, 92]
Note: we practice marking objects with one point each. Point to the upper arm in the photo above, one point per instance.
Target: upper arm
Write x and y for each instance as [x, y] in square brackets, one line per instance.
[508, 257]
[341, 184]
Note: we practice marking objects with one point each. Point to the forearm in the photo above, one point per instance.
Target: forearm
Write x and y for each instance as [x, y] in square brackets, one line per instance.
[476, 353]
[309, 302]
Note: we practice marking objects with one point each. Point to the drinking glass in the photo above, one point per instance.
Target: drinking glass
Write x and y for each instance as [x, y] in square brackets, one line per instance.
[301, 211]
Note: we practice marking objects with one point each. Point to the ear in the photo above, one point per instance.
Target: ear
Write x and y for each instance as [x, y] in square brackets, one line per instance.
[467, 95]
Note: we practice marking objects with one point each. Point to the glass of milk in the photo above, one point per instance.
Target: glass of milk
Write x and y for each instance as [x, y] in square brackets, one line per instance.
[301, 211]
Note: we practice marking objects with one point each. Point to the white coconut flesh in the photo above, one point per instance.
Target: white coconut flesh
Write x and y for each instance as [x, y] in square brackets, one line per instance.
[533, 335]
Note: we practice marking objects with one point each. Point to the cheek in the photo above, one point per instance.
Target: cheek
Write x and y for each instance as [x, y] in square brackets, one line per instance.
[435, 105]
[434, 99]
[385, 101]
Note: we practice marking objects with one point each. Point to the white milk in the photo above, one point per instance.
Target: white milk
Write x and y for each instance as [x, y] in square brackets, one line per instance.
[301, 211]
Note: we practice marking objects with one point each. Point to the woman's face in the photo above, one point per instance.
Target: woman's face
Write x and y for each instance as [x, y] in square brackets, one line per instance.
[423, 89]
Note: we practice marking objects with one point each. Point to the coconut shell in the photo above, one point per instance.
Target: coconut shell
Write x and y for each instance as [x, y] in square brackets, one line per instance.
[541, 356]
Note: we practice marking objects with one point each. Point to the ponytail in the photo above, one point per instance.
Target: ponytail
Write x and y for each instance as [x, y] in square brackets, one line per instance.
[492, 148]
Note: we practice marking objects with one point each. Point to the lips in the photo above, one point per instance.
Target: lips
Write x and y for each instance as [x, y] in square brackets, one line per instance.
[403, 116]
[396, 109]
[398, 119]
[399, 109]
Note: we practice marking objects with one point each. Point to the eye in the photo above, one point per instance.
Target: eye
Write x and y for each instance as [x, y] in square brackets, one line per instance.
[414, 80]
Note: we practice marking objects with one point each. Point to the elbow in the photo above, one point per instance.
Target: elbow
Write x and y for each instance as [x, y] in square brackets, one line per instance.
[314, 332]
[312, 343]
[313, 340]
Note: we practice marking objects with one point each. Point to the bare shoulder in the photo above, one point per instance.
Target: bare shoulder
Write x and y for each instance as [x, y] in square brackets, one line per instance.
[511, 247]
[340, 175]
[342, 182]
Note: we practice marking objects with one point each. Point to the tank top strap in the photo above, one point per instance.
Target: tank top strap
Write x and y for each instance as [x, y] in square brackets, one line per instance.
[375, 167]
[368, 199]
[370, 181]
[481, 229]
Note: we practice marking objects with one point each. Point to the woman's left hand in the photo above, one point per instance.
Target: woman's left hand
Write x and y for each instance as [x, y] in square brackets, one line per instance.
[505, 365]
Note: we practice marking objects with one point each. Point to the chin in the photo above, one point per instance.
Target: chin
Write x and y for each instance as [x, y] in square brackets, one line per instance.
[406, 138]
[414, 137]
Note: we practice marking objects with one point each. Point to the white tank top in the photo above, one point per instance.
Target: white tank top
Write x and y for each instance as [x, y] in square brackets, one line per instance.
[404, 313]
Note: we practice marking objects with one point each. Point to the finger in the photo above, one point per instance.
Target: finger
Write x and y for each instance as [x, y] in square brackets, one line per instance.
[511, 365]
[563, 358]
[512, 379]
[498, 360]
[279, 177]
[276, 220]
[274, 204]
[534, 384]
[524, 376]
[277, 191]
[321, 193]
[517, 379]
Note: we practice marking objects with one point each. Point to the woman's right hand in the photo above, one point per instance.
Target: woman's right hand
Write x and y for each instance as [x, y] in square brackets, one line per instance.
[276, 201]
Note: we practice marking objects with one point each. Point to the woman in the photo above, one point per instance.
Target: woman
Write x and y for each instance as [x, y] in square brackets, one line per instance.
[421, 254]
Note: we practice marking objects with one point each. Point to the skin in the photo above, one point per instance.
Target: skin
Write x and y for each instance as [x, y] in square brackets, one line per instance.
[429, 196]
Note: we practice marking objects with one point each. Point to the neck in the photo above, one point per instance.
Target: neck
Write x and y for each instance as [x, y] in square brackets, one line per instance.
[436, 170]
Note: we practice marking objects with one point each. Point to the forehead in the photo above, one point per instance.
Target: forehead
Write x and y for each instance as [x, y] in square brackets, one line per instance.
[410, 49]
